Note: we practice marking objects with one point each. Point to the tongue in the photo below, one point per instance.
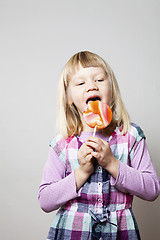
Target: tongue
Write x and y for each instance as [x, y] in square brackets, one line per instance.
[93, 100]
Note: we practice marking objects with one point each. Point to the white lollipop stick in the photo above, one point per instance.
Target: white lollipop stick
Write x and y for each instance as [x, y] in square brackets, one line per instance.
[95, 128]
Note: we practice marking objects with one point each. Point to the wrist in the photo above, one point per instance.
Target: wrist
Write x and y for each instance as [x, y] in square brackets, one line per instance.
[113, 166]
[84, 175]
[80, 177]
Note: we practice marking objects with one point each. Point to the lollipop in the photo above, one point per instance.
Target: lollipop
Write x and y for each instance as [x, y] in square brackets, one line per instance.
[97, 115]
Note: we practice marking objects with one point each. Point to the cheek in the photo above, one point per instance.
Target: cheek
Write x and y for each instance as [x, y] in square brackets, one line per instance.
[107, 93]
[73, 98]
[74, 95]
[69, 97]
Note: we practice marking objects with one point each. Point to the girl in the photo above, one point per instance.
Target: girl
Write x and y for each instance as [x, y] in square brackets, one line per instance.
[93, 179]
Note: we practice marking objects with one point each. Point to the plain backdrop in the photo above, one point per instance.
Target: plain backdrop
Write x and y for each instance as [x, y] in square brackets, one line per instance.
[37, 38]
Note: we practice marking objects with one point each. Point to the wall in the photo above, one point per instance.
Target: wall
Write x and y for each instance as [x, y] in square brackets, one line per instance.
[37, 38]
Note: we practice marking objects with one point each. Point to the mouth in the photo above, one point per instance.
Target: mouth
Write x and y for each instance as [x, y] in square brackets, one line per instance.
[93, 98]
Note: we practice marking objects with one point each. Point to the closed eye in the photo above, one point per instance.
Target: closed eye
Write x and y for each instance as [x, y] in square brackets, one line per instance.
[80, 83]
[100, 80]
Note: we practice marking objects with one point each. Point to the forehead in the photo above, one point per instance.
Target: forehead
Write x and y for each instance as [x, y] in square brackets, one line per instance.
[81, 72]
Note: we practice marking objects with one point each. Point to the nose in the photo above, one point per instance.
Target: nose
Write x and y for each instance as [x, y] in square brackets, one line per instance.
[91, 86]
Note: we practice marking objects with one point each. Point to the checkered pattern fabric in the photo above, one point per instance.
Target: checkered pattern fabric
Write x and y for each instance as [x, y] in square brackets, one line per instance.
[101, 212]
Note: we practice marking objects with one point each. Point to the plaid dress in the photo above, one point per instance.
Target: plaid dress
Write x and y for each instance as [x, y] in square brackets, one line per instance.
[101, 211]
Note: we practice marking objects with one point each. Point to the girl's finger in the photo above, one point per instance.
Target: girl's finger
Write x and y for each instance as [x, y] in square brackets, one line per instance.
[89, 157]
[94, 139]
[97, 140]
[96, 145]
[85, 150]
[96, 155]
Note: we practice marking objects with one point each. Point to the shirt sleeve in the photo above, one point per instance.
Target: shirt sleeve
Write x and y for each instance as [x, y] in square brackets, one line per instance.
[56, 189]
[139, 179]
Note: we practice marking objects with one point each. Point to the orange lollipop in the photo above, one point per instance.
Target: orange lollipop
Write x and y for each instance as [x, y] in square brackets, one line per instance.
[97, 115]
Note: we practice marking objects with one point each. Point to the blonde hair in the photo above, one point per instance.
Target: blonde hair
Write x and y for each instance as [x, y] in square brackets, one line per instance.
[68, 119]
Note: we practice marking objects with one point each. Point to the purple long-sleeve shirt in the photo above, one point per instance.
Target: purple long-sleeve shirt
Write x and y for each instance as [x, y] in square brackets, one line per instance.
[138, 179]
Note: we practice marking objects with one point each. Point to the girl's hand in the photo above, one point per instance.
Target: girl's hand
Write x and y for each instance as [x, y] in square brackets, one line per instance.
[86, 159]
[86, 167]
[102, 152]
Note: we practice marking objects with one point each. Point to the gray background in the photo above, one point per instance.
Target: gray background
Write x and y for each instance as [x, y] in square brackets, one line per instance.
[37, 38]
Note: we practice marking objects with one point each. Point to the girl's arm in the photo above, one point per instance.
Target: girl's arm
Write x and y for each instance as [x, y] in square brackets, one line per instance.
[86, 165]
[56, 189]
[140, 178]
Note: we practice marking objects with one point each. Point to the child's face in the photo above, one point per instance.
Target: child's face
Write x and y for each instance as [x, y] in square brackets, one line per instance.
[88, 84]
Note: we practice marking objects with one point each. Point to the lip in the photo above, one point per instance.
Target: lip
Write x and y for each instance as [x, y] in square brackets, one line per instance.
[96, 97]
